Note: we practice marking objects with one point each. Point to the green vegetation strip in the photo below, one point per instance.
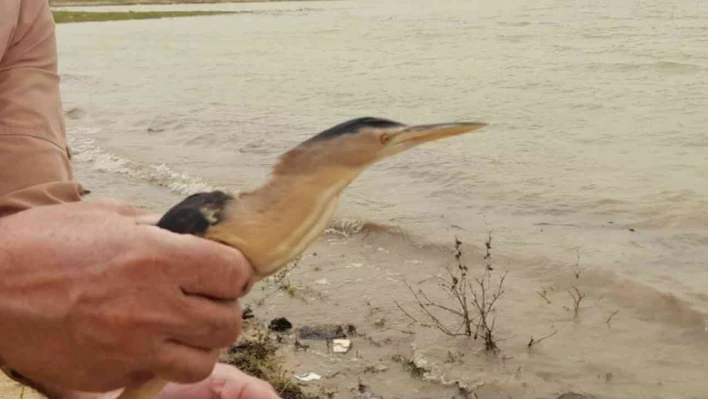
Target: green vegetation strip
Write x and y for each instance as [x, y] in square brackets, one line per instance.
[81, 16]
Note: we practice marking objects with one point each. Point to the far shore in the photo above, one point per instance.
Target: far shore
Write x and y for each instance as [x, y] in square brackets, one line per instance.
[83, 3]
[61, 17]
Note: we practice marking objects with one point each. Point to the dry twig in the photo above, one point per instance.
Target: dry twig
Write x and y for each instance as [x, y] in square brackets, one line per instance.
[473, 301]
[533, 342]
[577, 298]
[609, 319]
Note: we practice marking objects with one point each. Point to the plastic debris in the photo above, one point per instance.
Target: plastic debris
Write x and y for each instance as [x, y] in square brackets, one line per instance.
[308, 377]
[341, 345]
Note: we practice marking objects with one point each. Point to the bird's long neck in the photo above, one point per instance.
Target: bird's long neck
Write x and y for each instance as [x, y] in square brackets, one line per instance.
[278, 221]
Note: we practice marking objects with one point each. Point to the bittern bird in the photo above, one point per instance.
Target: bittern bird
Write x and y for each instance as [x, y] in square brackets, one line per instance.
[276, 222]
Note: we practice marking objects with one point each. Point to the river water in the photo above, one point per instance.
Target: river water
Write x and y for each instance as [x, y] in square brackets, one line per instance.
[597, 144]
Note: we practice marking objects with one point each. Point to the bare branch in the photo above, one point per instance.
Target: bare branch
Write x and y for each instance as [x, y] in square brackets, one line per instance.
[406, 313]
[543, 294]
[533, 342]
[609, 319]
[577, 298]
[474, 301]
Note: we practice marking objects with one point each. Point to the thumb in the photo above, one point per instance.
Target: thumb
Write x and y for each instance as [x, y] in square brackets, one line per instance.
[239, 385]
[148, 219]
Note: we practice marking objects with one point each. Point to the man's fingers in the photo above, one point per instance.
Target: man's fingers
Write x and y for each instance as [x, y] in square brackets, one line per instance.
[184, 364]
[207, 268]
[209, 323]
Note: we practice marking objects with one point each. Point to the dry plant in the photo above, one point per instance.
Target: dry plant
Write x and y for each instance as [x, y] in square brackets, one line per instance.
[544, 294]
[257, 355]
[577, 298]
[533, 341]
[280, 281]
[413, 369]
[609, 319]
[473, 300]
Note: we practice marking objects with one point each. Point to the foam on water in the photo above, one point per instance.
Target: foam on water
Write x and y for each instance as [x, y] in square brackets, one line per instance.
[86, 150]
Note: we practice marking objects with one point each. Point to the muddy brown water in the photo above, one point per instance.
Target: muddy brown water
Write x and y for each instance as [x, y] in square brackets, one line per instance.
[595, 164]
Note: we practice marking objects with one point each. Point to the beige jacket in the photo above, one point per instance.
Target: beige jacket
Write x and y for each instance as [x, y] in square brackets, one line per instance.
[35, 166]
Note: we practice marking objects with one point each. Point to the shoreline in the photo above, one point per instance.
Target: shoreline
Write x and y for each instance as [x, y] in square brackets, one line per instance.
[63, 17]
[98, 3]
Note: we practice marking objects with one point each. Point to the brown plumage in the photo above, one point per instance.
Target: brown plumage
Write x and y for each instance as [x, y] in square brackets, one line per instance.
[278, 221]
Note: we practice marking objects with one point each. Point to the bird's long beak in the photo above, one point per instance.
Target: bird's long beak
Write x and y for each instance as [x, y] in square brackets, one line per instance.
[416, 135]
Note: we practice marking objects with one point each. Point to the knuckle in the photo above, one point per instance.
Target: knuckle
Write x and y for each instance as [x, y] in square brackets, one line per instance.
[234, 331]
[216, 328]
[239, 275]
[227, 329]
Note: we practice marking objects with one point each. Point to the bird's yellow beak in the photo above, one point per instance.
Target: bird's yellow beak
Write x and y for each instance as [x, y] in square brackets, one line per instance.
[415, 135]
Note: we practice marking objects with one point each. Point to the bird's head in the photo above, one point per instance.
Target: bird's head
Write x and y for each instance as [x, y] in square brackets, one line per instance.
[355, 144]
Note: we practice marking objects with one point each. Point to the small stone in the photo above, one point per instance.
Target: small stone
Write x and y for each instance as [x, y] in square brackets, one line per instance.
[247, 314]
[376, 368]
[280, 324]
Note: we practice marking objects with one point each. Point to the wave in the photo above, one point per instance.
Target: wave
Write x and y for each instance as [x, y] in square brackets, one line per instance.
[660, 66]
[86, 150]
[683, 209]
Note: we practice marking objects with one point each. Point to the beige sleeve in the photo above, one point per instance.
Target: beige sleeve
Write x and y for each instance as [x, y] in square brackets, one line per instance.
[35, 167]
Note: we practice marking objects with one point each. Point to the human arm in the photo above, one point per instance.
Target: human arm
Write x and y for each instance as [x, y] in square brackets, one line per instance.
[35, 167]
[35, 171]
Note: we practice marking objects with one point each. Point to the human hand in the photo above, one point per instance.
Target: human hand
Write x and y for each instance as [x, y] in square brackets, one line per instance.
[225, 382]
[91, 300]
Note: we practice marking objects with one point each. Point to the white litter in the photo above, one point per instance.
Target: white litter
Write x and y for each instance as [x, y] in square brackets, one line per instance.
[341, 345]
[322, 281]
[308, 377]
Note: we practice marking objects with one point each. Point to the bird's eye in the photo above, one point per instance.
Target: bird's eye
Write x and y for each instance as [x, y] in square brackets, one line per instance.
[385, 138]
